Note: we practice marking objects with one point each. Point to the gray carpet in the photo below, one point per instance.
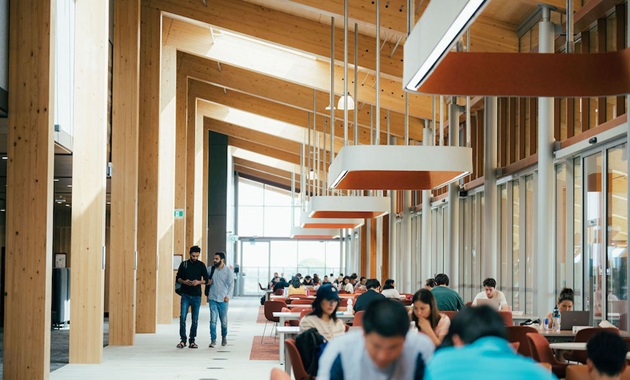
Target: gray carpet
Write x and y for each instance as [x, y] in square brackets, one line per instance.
[59, 346]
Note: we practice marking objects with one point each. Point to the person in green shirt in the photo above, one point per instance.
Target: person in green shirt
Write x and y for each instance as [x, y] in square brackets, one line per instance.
[446, 298]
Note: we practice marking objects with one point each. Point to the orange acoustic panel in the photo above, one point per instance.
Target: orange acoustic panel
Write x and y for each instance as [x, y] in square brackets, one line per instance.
[347, 214]
[395, 179]
[531, 75]
[330, 225]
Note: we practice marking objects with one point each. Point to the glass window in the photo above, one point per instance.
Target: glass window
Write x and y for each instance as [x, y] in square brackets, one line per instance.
[516, 275]
[504, 249]
[277, 221]
[577, 234]
[333, 254]
[250, 193]
[561, 218]
[617, 237]
[594, 226]
[283, 257]
[311, 257]
[529, 243]
[250, 221]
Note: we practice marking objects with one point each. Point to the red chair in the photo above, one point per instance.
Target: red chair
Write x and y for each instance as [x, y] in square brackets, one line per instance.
[580, 372]
[583, 336]
[450, 314]
[271, 307]
[296, 360]
[541, 352]
[358, 318]
[469, 303]
[298, 301]
[518, 334]
[507, 317]
[515, 346]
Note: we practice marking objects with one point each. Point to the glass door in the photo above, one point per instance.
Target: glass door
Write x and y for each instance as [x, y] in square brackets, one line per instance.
[593, 230]
[254, 266]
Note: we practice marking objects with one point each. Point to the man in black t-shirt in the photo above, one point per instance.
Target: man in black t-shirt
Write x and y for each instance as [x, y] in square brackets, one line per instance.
[191, 274]
[373, 293]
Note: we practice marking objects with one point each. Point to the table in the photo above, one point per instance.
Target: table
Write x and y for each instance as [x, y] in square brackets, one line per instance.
[558, 336]
[518, 318]
[290, 331]
[572, 346]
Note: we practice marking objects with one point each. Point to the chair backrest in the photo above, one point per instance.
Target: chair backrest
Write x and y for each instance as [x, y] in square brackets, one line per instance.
[279, 374]
[449, 313]
[518, 334]
[279, 292]
[469, 303]
[358, 318]
[296, 360]
[583, 336]
[507, 317]
[515, 345]
[539, 346]
[305, 312]
[580, 372]
[298, 301]
[261, 287]
[271, 307]
[343, 301]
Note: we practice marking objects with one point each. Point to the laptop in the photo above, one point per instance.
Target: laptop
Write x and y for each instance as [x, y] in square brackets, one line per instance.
[493, 303]
[568, 319]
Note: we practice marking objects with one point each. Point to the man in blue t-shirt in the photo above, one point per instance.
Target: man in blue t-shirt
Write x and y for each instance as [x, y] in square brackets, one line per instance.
[373, 293]
[476, 347]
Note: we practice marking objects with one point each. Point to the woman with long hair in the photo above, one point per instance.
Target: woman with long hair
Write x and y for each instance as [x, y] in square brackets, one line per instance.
[324, 315]
[389, 289]
[427, 318]
[295, 286]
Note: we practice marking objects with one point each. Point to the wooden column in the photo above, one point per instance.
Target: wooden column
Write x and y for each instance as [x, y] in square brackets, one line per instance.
[194, 174]
[124, 198]
[149, 123]
[166, 179]
[30, 191]
[179, 225]
[87, 264]
[372, 248]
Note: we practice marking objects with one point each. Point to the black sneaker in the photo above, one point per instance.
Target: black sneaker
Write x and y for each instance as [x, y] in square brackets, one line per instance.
[213, 344]
[224, 341]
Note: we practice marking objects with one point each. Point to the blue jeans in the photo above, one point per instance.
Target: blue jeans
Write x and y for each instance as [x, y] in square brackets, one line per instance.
[194, 302]
[218, 309]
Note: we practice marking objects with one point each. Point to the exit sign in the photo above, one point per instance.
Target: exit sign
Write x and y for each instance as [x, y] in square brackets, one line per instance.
[179, 213]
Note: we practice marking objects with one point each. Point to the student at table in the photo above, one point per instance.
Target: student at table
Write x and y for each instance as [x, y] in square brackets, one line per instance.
[606, 355]
[426, 317]
[324, 315]
[476, 347]
[296, 287]
[491, 293]
[446, 298]
[565, 303]
[389, 289]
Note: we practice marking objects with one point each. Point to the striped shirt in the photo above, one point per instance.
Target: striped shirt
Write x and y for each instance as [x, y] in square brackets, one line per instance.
[222, 284]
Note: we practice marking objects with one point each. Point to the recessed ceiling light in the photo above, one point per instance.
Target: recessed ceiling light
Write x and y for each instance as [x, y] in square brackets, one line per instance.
[2, 210]
[56, 179]
[70, 185]
[5, 157]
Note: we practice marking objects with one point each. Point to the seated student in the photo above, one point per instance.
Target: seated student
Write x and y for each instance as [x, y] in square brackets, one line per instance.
[427, 318]
[565, 303]
[326, 280]
[273, 280]
[347, 285]
[383, 349]
[429, 283]
[491, 293]
[281, 284]
[373, 293]
[324, 315]
[476, 347]
[606, 355]
[389, 289]
[360, 286]
[308, 281]
[295, 287]
[446, 298]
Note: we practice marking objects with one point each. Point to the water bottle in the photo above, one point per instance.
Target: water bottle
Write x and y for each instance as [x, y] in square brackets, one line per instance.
[412, 327]
[349, 306]
[545, 325]
[555, 319]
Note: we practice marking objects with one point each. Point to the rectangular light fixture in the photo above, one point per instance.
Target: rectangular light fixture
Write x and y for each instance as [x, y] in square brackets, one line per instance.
[314, 233]
[308, 222]
[346, 206]
[441, 24]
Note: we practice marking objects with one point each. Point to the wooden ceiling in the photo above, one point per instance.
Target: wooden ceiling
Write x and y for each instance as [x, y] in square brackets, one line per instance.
[258, 68]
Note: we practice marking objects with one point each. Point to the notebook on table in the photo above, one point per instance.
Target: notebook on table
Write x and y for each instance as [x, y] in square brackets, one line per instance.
[568, 319]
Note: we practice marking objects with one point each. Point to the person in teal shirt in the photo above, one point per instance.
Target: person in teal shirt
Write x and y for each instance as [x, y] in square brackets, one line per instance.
[476, 348]
[446, 298]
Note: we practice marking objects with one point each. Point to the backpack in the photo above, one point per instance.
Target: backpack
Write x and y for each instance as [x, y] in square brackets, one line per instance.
[310, 344]
[178, 286]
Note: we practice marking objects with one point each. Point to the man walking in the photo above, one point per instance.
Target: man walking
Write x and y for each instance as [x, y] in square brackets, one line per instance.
[191, 274]
[222, 286]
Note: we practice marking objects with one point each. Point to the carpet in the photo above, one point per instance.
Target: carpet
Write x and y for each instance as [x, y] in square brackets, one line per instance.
[261, 315]
[269, 350]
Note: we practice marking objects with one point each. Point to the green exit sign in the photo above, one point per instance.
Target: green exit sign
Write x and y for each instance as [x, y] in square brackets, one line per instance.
[179, 213]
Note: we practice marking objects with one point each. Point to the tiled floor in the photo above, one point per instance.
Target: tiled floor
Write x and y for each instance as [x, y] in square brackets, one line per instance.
[154, 356]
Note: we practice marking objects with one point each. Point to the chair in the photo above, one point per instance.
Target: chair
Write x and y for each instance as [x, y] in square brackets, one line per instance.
[261, 287]
[515, 346]
[269, 308]
[518, 334]
[449, 313]
[469, 304]
[580, 372]
[583, 336]
[358, 318]
[541, 352]
[507, 317]
[298, 301]
[279, 374]
[296, 360]
[279, 291]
